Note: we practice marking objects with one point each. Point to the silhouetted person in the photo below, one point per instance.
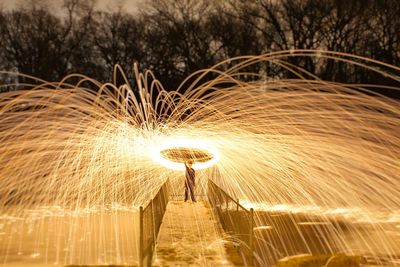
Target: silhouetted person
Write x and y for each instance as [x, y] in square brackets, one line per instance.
[190, 182]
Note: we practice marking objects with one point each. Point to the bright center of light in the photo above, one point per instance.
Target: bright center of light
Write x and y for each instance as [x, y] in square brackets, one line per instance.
[187, 145]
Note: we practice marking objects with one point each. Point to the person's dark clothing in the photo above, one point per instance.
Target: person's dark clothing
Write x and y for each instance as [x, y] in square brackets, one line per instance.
[190, 183]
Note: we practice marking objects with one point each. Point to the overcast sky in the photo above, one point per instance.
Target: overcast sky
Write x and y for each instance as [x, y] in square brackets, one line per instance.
[130, 6]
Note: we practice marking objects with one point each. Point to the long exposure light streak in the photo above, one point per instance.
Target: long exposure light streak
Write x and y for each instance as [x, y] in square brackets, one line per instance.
[311, 146]
[173, 153]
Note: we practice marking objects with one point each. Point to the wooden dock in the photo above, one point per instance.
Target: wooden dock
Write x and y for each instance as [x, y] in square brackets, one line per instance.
[190, 236]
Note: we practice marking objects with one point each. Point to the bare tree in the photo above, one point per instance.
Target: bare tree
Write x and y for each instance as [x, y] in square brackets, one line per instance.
[178, 42]
[117, 39]
[175, 38]
[39, 43]
[233, 32]
[344, 30]
[384, 25]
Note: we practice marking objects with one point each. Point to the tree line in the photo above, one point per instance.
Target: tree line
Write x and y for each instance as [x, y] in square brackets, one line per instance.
[174, 38]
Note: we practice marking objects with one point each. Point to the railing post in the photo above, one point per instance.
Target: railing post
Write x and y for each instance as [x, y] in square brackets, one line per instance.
[149, 254]
[154, 211]
[252, 236]
[141, 233]
[245, 234]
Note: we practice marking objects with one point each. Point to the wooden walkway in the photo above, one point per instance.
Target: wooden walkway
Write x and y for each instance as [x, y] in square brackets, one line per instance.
[190, 236]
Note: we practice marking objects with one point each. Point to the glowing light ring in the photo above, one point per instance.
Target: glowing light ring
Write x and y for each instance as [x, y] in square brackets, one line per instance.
[184, 154]
[174, 153]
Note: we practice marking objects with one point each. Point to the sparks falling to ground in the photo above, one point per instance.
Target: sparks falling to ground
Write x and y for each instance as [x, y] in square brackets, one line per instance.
[301, 144]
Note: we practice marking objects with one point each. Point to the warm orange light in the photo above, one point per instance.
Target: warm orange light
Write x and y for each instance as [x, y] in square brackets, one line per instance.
[191, 146]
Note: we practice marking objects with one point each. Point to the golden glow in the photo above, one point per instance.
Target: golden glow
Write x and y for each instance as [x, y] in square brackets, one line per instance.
[292, 148]
[264, 227]
[186, 143]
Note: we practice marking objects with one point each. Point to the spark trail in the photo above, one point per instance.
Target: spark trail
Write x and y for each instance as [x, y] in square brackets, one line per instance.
[301, 143]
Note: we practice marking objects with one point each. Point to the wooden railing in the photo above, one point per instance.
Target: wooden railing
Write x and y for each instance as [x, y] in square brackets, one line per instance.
[235, 219]
[150, 221]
